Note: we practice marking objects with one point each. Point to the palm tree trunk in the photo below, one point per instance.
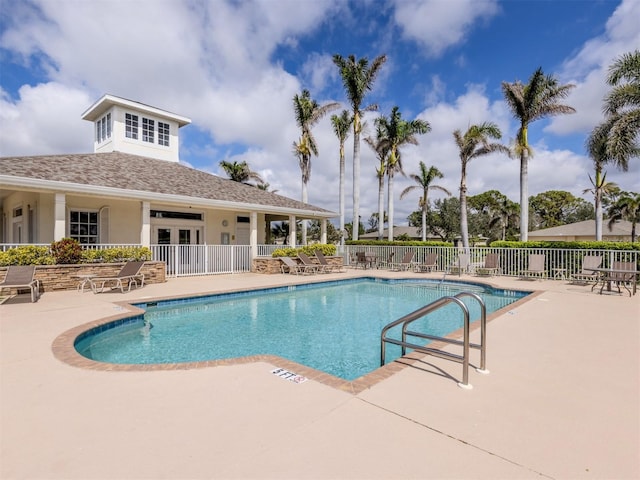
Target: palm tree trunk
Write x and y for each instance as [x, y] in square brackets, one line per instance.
[380, 207]
[524, 197]
[342, 168]
[598, 201]
[464, 227]
[424, 217]
[356, 178]
[390, 207]
[304, 222]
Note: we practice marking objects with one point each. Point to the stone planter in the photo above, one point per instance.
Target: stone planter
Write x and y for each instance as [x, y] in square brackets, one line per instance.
[271, 265]
[65, 277]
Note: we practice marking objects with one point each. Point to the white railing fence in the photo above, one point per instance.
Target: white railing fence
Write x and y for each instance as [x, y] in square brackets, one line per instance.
[189, 260]
[559, 262]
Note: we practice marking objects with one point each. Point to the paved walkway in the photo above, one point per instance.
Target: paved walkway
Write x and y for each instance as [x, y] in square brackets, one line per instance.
[562, 401]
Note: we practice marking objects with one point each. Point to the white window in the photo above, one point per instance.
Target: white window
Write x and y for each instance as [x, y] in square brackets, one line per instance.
[103, 128]
[131, 126]
[163, 134]
[147, 130]
[83, 226]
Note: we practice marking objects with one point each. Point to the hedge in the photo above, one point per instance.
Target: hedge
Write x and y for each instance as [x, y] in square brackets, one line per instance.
[326, 249]
[39, 255]
[584, 245]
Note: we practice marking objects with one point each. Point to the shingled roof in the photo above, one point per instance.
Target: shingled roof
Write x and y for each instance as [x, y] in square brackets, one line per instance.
[132, 176]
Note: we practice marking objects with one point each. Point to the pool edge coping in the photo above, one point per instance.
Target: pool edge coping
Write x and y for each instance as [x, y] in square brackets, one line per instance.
[63, 348]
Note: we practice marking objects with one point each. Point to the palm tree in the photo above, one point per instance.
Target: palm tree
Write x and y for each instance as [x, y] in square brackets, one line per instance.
[240, 172]
[423, 181]
[357, 77]
[597, 148]
[473, 144]
[395, 133]
[379, 146]
[341, 124]
[626, 208]
[536, 100]
[504, 215]
[622, 107]
[307, 112]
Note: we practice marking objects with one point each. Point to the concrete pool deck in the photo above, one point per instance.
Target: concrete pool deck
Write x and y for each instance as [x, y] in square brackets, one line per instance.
[562, 400]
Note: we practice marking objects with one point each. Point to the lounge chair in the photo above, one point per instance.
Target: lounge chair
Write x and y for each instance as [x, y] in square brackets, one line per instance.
[461, 265]
[587, 275]
[491, 265]
[129, 274]
[329, 267]
[306, 261]
[619, 276]
[536, 267]
[22, 276]
[386, 263]
[405, 264]
[430, 263]
[291, 266]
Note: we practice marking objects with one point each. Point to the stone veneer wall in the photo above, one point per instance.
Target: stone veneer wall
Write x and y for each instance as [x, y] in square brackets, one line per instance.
[271, 265]
[64, 277]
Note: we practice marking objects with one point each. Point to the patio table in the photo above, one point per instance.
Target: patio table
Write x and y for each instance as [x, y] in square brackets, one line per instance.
[606, 279]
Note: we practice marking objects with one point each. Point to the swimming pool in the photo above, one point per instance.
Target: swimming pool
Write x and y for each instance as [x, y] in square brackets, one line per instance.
[330, 326]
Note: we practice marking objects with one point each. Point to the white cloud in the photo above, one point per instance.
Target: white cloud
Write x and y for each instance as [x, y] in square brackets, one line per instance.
[31, 125]
[437, 25]
[588, 69]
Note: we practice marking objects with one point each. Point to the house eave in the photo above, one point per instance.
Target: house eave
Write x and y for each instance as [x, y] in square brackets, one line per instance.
[93, 190]
[96, 110]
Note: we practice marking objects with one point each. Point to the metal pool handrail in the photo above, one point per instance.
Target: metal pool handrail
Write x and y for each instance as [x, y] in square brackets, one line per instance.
[421, 312]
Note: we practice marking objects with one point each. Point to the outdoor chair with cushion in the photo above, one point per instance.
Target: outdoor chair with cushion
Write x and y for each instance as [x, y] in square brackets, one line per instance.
[430, 263]
[22, 276]
[461, 264]
[129, 274]
[491, 265]
[329, 267]
[586, 275]
[291, 266]
[535, 267]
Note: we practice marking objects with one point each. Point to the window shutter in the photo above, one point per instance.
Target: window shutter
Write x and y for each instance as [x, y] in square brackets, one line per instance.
[104, 225]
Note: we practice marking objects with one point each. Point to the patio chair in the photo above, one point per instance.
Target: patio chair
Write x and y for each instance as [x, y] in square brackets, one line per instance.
[536, 267]
[461, 264]
[586, 275]
[129, 274]
[22, 276]
[363, 260]
[430, 263]
[306, 261]
[291, 266]
[491, 265]
[386, 263]
[619, 276]
[405, 264]
[329, 267]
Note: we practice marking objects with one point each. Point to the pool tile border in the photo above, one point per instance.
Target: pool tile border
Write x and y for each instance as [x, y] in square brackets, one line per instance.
[63, 349]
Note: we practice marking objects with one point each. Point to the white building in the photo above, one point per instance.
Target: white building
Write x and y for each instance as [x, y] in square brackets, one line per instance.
[133, 190]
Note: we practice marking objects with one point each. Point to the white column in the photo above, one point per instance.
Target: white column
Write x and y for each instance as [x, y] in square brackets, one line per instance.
[292, 231]
[323, 230]
[60, 217]
[145, 225]
[253, 234]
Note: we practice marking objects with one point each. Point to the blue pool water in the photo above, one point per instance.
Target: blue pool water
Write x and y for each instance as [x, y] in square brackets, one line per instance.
[331, 326]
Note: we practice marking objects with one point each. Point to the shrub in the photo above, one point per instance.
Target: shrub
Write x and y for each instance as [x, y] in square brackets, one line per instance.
[66, 251]
[582, 245]
[326, 249]
[27, 255]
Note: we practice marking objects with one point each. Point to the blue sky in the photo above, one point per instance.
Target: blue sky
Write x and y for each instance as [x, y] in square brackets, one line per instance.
[233, 67]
